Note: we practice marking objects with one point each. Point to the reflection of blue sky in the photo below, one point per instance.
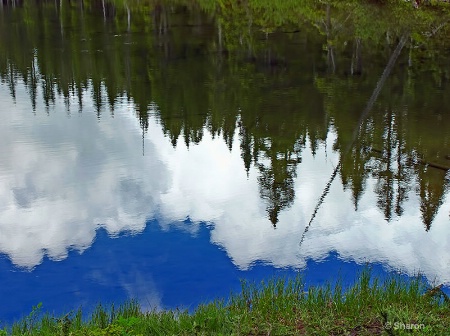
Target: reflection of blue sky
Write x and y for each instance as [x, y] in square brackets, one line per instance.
[62, 178]
[163, 269]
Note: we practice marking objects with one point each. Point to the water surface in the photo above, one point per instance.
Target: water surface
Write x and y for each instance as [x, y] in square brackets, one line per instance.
[164, 157]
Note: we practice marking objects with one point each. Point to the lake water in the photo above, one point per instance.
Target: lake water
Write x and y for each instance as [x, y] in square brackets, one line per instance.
[166, 156]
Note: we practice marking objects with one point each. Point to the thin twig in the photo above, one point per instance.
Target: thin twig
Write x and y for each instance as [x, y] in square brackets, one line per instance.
[365, 112]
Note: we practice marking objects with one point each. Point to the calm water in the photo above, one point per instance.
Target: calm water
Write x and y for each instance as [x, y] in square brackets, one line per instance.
[165, 156]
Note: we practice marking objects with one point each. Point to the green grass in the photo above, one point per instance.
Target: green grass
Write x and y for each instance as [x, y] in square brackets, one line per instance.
[276, 307]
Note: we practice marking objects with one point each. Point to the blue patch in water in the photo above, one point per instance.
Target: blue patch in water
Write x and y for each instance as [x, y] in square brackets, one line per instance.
[162, 269]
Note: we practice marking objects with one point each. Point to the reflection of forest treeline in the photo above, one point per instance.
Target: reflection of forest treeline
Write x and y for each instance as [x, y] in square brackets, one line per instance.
[275, 73]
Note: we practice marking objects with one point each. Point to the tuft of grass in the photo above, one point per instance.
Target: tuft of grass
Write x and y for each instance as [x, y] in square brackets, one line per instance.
[275, 307]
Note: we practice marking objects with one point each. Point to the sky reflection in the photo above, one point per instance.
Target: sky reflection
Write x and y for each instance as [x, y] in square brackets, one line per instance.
[64, 177]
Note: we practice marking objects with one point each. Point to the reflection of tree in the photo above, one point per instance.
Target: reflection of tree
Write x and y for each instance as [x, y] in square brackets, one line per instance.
[246, 145]
[385, 172]
[277, 181]
[432, 187]
[354, 169]
[384, 148]
[230, 69]
[396, 167]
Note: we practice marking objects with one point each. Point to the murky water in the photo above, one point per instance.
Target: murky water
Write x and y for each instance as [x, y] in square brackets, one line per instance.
[165, 156]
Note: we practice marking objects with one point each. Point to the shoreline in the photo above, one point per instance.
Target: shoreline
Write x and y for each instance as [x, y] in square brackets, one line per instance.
[274, 307]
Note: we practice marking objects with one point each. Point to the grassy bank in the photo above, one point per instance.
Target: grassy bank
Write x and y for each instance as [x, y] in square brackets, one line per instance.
[277, 307]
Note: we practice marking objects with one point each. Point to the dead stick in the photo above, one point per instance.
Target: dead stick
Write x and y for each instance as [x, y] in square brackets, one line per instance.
[365, 112]
[425, 163]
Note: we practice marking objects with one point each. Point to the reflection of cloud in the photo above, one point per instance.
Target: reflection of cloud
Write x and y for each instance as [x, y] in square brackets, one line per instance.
[144, 288]
[209, 185]
[61, 178]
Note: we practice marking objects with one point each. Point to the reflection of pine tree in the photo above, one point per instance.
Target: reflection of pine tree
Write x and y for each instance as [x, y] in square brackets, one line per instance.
[404, 172]
[393, 169]
[246, 146]
[142, 114]
[11, 80]
[431, 189]
[277, 183]
[354, 168]
[385, 174]
[48, 90]
[354, 171]
[33, 84]
[196, 84]
[228, 128]
[97, 96]
[192, 135]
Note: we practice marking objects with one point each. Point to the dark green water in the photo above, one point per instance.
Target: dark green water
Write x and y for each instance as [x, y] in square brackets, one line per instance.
[289, 137]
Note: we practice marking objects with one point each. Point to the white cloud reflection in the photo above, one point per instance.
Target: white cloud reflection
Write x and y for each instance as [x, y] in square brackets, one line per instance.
[61, 178]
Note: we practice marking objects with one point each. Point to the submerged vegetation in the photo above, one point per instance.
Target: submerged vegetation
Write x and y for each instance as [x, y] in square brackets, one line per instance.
[277, 307]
